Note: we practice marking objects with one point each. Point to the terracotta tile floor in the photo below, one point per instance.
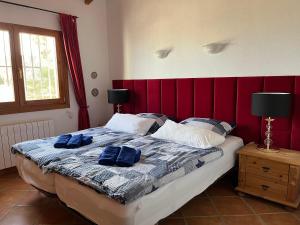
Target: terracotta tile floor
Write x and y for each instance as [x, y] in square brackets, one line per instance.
[20, 204]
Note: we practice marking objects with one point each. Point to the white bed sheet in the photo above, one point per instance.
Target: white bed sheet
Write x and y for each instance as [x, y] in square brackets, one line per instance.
[153, 207]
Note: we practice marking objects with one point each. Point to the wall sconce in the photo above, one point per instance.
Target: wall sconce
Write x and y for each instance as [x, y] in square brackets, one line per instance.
[216, 47]
[163, 53]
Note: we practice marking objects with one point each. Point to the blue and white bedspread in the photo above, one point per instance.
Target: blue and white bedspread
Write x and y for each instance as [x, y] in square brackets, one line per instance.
[42, 152]
[161, 163]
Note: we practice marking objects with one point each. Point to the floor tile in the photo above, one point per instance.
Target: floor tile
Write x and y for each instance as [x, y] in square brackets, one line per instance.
[55, 213]
[4, 211]
[177, 214]
[280, 219]
[204, 221]
[245, 220]
[16, 184]
[35, 198]
[295, 212]
[21, 216]
[170, 221]
[9, 198]
[221, 188]
[263, 206]
[198, 207]
[12, 173]
[231, 206]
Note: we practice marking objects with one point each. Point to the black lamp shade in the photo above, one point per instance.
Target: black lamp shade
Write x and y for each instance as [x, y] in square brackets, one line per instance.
[117, 96]
[271, 104]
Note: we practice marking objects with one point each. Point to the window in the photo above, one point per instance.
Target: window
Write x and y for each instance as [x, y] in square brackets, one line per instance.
[6, 74]
[33, 70]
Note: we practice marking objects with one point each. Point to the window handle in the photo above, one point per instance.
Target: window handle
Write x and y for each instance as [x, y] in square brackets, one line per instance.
[20, 73]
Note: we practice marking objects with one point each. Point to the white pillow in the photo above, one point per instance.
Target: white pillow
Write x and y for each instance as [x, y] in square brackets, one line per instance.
[188, 135]
[130, 123]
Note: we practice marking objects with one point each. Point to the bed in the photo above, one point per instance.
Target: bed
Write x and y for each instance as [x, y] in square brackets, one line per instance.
[142, 211]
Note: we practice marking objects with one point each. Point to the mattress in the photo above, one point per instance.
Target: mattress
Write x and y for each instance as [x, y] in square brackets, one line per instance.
[33, 175]
[153, 207]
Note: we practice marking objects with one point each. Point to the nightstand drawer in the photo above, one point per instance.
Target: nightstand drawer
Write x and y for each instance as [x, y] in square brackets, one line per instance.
[267, 168]
[266, 188]
[272, 175]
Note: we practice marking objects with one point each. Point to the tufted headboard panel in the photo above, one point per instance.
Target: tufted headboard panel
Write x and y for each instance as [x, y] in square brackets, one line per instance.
[227, 99]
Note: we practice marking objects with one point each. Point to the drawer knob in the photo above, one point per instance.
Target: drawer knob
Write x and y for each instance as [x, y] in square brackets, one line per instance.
[265, 187]
[266, 169]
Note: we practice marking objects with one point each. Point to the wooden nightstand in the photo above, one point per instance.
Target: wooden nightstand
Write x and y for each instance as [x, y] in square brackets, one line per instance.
[272, 176]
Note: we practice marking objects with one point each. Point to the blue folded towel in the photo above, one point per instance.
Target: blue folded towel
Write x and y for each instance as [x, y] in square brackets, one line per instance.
[137, 156]
[62, 141]
[86, 140]
[128, 156]
[109, 155]
[75, 141]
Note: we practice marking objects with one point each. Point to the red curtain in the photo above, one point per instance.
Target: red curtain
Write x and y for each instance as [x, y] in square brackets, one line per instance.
[70, 38]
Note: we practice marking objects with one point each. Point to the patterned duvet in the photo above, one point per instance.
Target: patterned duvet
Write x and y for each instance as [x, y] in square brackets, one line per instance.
[42, 152]
[161, 163]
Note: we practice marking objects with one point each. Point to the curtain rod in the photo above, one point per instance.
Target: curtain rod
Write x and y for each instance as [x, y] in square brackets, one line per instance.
[30, 7]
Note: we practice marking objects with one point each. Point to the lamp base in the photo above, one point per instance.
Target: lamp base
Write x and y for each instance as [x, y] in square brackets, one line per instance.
[263, 148]
[119, 108]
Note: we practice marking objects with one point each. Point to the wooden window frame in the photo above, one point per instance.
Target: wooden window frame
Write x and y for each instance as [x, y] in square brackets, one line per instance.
[21, 105]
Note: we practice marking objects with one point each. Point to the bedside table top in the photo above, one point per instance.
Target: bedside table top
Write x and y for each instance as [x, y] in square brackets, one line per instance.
[284, 155]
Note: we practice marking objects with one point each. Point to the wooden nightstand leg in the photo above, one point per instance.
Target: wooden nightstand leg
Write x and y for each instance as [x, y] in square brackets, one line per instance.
[294, 183]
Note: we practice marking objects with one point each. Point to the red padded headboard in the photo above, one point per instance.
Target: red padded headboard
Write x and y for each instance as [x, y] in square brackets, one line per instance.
[227, 99]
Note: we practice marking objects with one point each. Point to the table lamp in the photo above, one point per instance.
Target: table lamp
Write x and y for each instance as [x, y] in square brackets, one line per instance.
[118, 97]
[270, 105]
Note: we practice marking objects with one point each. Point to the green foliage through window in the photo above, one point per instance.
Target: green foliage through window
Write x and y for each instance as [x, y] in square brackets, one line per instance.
[40, 70]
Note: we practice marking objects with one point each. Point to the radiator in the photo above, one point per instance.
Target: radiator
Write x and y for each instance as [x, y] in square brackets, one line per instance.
[15, 133]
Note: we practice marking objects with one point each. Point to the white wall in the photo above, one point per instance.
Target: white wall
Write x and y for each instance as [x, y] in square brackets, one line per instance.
[92, 32]
[264, 35]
